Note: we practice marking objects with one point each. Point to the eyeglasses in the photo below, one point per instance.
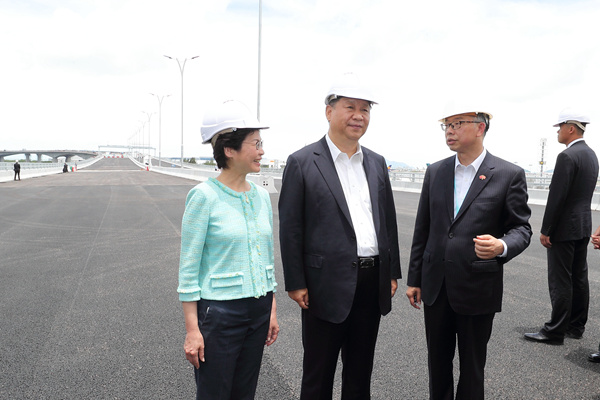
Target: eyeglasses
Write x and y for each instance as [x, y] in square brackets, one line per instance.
[258, 144]
[456, 125]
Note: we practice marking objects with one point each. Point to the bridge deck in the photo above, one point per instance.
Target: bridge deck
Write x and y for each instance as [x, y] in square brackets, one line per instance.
[89, 309]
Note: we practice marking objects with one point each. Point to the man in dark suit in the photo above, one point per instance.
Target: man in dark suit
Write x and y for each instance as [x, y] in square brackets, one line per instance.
[566, 230]
[339, 245]
[17, 169]
[595, 357]
[472, 218]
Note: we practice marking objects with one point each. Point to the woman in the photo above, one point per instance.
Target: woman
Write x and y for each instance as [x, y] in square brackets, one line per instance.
[226, 275]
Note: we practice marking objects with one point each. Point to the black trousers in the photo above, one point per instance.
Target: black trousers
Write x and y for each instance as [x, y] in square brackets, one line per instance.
[443, 327]
[569, 287]
[234, 338]
[355, 337]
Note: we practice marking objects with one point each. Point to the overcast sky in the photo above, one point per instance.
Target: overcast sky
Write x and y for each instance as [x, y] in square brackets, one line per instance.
[77, 74]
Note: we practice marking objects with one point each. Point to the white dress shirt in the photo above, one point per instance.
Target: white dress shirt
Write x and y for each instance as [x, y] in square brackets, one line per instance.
[352, 176]
[574, 141]
[463, 178]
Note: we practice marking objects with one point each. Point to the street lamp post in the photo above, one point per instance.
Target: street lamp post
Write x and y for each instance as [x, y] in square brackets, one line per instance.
[149, 115]
[142, 131]
[259, 58]
[160, 99]
[181, 68]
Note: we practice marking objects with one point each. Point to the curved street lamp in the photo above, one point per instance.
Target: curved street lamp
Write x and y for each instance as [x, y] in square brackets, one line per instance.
[141, 130]
[149, 115]
[160, 99]
[181, 68]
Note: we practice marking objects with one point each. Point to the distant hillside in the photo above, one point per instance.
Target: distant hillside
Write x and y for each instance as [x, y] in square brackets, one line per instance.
[398, 165]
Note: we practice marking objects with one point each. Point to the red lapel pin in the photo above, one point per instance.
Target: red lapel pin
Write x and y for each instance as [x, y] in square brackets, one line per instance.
[482, 177]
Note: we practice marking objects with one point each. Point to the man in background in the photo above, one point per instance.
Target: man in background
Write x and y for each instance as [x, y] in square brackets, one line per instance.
[566, 230]
[17, 169]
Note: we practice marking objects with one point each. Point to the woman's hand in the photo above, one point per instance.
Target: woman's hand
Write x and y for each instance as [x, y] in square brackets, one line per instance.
[194, 341]
[273, 325]
[194, 347]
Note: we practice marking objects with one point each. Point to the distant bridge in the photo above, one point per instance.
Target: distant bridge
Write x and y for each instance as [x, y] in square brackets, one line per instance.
[54, 154]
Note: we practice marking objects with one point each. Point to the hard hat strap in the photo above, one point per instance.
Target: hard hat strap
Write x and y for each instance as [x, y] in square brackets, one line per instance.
[579, 124]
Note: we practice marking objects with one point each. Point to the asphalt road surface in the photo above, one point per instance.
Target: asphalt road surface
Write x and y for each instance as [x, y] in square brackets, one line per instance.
[89, 309]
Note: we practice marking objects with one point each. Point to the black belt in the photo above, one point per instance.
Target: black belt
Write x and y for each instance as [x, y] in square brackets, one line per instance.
[368, 262]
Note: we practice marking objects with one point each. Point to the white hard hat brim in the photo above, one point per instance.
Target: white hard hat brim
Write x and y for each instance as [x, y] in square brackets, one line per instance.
[350, 86]
[490, 116]
[332, 97]
[228, 117]
[580, 124]
[227, 130]
[574, 116]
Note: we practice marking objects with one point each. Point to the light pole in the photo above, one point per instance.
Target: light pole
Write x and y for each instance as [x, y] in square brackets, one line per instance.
[149, 115]
[259, 57]
[142, 131]
[181, 68]
[160, 99]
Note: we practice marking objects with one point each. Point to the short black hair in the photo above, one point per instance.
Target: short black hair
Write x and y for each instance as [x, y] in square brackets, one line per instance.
[233, 140]
[482, 117]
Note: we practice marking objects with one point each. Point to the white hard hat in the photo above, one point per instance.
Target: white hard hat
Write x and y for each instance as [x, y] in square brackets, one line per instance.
[457, 108]
[573, 116]
[228, 117]
[348, 85]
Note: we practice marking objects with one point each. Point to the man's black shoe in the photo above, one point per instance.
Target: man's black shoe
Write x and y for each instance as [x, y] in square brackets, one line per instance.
[573, 335]
[542, 338]
[594, 357]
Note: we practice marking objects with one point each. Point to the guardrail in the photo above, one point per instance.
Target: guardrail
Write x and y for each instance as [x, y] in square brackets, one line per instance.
[537, 186]
[202, 173]
[34, 169]
[408, 181]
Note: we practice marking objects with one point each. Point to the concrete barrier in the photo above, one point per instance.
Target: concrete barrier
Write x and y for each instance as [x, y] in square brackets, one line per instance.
[34, 170]
[202, 175]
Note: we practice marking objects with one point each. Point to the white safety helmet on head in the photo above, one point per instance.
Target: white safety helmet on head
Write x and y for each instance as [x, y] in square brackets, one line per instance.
[348, 85]
[571, 115]
[456, 108]
[227, 117]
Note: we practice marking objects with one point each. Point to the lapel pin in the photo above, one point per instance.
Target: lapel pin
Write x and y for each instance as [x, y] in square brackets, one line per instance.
[482, 177]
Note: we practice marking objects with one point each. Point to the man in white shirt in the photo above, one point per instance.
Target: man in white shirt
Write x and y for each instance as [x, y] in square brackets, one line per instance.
[339, 245]
[472, 219]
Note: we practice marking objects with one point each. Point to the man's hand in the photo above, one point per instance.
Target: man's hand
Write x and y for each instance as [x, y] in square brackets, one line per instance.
[487, 247]
[545, 241]
[300, 296]
[596, 241]
[414, 296]
[394, 286]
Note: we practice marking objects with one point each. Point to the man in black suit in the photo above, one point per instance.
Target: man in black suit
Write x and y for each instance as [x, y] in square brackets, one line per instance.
[339, 245]
[17, 169]
[595, 357]
[472, 218]
[566, 230]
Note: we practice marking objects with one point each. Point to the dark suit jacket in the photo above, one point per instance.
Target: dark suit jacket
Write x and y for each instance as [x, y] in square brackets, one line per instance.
[317, 239]
[568, 215]
[443, 247]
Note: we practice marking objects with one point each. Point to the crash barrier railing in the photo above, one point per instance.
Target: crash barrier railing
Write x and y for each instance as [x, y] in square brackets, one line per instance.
[202, 173]
[34, 169]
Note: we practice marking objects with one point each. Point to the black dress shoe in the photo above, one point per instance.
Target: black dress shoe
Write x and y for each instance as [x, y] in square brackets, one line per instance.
[594, 357]
[573, 335]
[542, 338]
